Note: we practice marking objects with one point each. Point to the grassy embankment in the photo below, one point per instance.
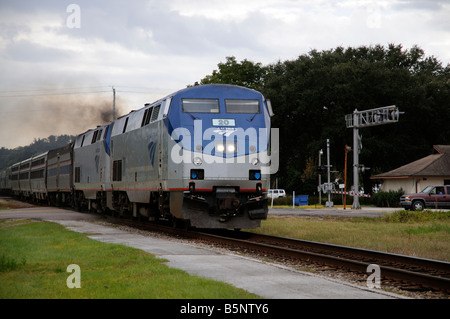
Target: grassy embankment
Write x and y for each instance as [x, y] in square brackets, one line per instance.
[423, 234]
[34, 257]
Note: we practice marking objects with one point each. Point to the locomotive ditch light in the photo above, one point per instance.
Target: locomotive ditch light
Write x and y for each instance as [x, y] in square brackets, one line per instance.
[255, 161]
[192, 187]
[197, 161]
[197, 174]
[255, 174]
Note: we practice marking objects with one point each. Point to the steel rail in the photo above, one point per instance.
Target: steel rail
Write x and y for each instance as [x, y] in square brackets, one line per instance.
[397, 268]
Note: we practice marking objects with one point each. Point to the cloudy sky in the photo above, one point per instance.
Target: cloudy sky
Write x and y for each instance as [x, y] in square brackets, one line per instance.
[59, 60]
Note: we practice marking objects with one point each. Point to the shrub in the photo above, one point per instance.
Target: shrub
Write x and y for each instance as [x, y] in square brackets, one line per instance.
[387, 199]
[282, 201]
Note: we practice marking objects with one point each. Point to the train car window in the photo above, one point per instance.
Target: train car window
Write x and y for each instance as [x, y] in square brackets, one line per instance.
[94, 137]
[242, 106]
[155, 113]
[166, 107]
[23, 176]
[125, 125]
[200, 105]
[37, 174]
[38, 162]
[99, 135]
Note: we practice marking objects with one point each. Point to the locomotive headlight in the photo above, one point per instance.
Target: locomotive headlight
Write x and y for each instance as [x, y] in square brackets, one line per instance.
[220, 148]
[197, 161]
[228, 148]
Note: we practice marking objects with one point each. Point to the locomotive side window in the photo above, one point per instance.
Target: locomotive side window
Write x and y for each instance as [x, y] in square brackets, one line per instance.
[242, 106]
[97, 136]
[125, 125]
[94, 137]
[200, 105]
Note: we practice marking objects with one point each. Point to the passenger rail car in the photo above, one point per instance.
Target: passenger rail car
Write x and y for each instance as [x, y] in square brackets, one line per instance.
[194, 156]
[60, 175]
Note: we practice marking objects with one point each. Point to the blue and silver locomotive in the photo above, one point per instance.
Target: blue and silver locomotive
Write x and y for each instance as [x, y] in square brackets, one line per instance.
[199, 155]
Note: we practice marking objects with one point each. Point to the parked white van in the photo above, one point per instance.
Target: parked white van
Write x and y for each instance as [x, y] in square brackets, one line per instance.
[275, 193]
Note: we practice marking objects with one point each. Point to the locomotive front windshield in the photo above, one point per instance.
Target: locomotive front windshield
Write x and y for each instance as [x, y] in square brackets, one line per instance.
[200, 105]
[242, 106]
[212, 106]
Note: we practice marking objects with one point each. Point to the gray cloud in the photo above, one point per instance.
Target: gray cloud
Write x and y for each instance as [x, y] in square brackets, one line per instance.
[169, 44]
[26, 51]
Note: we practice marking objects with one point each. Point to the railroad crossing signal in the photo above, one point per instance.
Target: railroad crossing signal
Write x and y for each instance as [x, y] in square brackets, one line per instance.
[361, 119]
[373, 117]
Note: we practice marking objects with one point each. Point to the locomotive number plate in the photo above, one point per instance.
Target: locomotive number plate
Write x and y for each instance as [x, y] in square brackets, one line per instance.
[223, 122]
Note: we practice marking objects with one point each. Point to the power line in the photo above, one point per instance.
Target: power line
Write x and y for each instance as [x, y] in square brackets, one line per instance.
[52, 94]
[37, 90]
[89, 90]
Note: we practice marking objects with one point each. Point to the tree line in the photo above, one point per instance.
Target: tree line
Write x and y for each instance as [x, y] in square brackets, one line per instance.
[9, 157]
[312, 94]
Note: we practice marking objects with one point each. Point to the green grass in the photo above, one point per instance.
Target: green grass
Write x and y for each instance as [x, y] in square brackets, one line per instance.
[423, 234]
[34, 257]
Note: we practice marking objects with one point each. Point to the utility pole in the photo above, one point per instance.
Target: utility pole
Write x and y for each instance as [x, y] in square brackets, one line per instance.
[347, 149]
[361, 119]
[320, 178]
[114, 103]
[356, 149]
[329, 203]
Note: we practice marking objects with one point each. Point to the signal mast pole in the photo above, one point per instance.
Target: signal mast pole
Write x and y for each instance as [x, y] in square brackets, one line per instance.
[361, 119]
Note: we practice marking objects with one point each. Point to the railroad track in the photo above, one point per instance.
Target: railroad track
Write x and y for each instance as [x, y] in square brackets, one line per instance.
[411, 273]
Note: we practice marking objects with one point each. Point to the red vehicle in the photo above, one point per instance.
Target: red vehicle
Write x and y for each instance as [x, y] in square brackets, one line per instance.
[431, 197]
